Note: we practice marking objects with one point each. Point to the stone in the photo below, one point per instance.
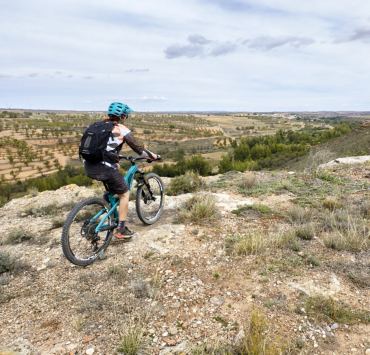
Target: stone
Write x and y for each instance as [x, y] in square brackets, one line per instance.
[173, 330]
[90, 351]
[334, 326]
[170, 341]
[217, 301]
[367, 352]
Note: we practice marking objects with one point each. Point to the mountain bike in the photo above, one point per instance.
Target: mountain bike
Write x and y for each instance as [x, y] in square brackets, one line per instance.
[89, 226]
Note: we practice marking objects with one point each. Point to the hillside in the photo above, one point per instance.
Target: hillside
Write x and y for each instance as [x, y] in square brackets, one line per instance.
[279, 260]
[356, 142]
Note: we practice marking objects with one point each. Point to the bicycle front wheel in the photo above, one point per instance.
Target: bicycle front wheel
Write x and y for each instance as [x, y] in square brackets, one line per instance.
[80, 243]
[150, 199]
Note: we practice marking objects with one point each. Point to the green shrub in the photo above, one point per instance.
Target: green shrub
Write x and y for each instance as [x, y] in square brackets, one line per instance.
[252, 153]
[257, 207]
[189, 182]
[196, 163]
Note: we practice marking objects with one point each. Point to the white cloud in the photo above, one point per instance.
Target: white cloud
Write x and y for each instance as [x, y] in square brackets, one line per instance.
[176, 55]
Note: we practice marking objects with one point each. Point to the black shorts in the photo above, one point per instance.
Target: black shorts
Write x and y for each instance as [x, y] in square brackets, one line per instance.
[111, 178]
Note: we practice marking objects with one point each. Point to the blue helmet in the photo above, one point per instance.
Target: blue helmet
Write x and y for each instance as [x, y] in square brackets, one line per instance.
[118, 109]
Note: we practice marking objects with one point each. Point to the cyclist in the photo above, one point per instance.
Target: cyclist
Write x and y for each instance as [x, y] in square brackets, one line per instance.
[107, 170]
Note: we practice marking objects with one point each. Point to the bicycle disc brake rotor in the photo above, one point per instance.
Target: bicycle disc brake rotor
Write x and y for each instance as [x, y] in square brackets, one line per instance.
[88, 230]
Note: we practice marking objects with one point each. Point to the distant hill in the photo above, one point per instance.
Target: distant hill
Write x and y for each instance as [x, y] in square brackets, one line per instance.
[357, 142]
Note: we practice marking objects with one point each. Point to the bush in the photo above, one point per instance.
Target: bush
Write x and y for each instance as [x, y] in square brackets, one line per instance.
[299, 215]
[190, 182]
[252, 153]
[257, 207]
[331, 203]
[346, 232]
[69, 175]
[333, 311]
[199, 165]
[132, 341]
[247, 244]
[9, 263]
[18, 236]
[256, 340]
[305, 232]
[198, 209]
[247, 181]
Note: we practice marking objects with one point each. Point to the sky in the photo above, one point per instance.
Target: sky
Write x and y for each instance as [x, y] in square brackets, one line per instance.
[194, 55]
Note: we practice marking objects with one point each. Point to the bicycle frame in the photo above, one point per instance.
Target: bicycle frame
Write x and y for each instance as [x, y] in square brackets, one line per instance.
[114, 201]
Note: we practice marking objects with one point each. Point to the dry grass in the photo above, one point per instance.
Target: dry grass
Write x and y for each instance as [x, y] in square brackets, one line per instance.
[256, 339]
[247, 181]
[198, 209]
[248, 244]
[17, 236]
[328, 309]
[331, 203]
[299, 215]
[349, 234]
[132, 341]
[305, 232]
[8, 263]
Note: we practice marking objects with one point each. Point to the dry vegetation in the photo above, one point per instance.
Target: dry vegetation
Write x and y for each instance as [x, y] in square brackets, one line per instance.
[37, 143]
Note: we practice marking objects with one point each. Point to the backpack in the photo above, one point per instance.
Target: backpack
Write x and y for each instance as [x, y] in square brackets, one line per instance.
[94, 141]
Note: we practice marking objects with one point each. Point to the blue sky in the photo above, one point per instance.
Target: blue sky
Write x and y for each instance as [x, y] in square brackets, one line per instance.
[233, 55]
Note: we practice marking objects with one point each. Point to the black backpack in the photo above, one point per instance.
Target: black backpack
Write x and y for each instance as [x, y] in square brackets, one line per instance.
[94, 141]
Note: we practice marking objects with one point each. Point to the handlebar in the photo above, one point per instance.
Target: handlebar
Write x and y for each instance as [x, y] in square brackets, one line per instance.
[135, 159]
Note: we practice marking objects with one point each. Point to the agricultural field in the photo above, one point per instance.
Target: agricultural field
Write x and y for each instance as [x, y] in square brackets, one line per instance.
[39, 143]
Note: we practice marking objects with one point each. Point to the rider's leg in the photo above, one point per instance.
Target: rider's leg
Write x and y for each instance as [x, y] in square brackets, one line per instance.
[123, 206]
[122, 232]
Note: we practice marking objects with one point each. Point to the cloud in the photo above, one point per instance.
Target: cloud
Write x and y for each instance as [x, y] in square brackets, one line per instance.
[266, 43]
[200, 46]
[148, 98]
[223, 48]
[198, 39]
[6, 76]
[189, 50]
[137, 70]
[360, 35]
[245, 6]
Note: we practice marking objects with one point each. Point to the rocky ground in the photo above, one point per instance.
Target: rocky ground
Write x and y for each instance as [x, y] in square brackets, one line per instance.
[191, 287]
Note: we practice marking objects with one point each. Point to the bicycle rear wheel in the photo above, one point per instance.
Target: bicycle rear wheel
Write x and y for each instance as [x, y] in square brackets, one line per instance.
[80, 243]
[150, 199]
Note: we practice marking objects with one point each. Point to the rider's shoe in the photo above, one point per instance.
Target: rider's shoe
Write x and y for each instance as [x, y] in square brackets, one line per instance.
[124, 234]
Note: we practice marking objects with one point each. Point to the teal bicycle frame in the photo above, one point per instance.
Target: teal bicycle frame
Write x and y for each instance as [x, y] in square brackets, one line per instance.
[114, 201]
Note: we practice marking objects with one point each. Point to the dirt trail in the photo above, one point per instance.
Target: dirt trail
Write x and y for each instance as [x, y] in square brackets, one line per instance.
[176, 281]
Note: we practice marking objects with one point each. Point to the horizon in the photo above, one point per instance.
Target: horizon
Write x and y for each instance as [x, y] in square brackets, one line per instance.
[187, 112]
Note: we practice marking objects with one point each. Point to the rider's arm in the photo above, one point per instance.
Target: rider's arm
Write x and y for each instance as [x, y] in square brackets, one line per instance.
[138, 148]
[134, 144]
